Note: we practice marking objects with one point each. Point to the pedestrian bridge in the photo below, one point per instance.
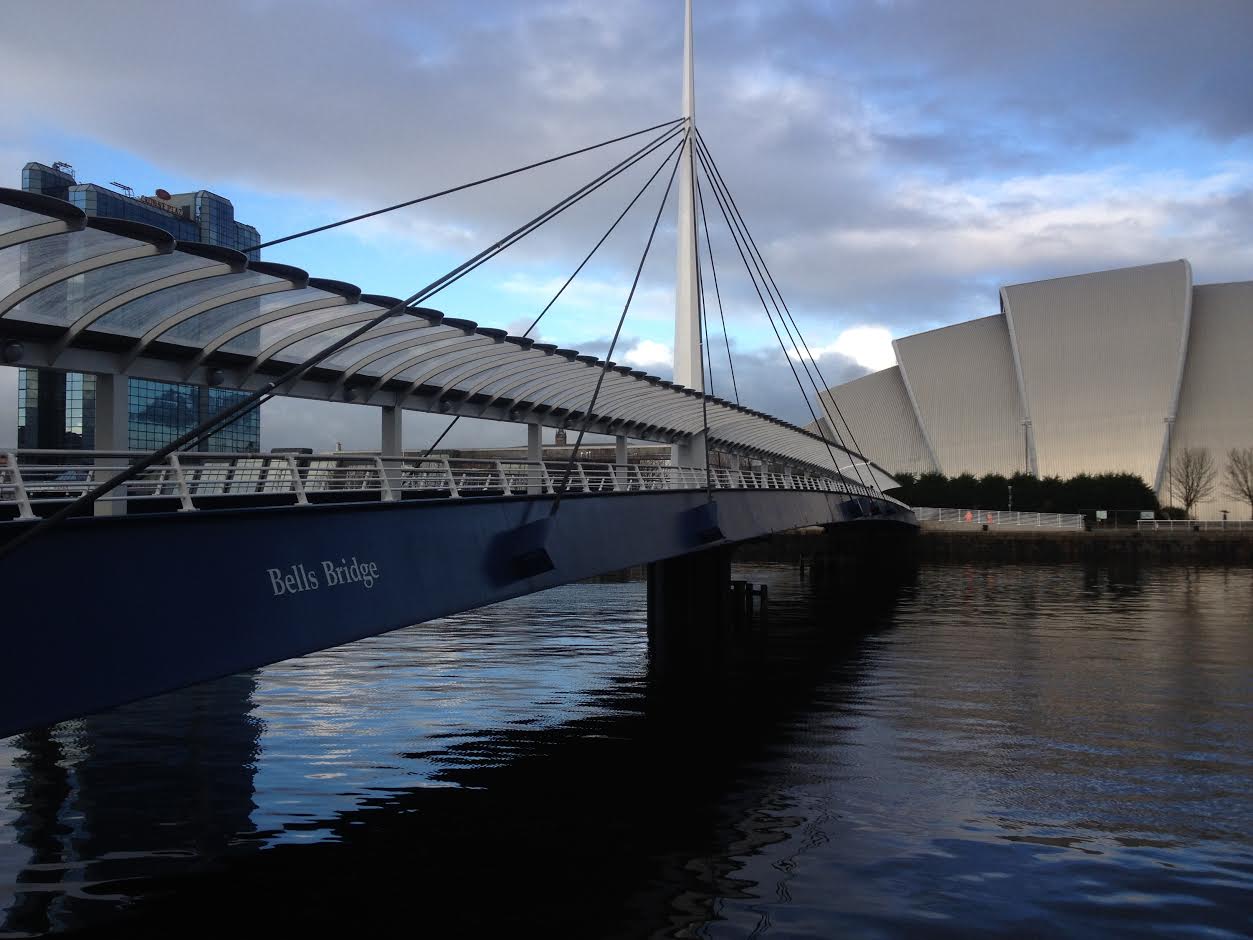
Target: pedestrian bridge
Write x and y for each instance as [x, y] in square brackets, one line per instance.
[154, 571]
[228, 562]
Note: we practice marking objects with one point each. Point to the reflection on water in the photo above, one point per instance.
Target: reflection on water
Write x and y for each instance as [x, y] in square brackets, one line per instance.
[978, 749]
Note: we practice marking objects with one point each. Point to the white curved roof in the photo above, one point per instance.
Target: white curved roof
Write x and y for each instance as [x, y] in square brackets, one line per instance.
[878, 408]
[1216, 404]
[1100, 358]
[961, 380]
[1099, 364]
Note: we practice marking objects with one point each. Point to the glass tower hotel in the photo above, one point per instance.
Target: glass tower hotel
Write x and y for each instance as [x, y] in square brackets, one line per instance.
[57, 410]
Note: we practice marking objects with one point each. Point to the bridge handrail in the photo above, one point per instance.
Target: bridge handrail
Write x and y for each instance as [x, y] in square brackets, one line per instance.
[29, 478]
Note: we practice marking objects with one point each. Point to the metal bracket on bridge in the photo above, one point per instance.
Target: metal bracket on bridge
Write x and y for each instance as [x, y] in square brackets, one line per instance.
[702, 523]
[524, 550]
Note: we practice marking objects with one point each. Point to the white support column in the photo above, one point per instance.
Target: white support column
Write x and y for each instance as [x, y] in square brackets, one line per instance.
[620, 450]
[392, 435]
[534, 454]
[112, 433]
[688, 370]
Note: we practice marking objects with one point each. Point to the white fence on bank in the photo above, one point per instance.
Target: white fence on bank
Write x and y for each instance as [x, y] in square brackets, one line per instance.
[1196, 525]
[933, 518]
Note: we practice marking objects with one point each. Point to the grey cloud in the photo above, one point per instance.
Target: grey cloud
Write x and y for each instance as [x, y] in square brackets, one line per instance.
[766, 383]
[324, 426]
[817, 113]
[1112, 68]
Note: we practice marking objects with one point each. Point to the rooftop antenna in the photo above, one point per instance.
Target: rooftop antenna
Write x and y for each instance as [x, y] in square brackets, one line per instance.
[62, 167]
[688, 370]
[126, 190]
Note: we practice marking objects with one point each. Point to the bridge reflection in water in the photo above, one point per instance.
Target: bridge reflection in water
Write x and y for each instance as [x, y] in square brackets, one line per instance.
[484, 753]
[106, 799]
[1011, 749]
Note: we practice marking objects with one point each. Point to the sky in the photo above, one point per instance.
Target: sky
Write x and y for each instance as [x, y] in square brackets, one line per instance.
[897, 161]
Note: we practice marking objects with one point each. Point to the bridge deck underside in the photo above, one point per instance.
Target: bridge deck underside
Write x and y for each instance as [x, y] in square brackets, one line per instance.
[107, 610]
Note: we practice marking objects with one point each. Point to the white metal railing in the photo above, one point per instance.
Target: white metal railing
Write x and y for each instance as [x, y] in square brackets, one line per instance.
[193, 480]
[1196, 525]
[977, 518]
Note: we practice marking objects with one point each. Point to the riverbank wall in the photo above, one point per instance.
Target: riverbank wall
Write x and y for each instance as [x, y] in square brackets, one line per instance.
[1206, 547]
[1013, 545]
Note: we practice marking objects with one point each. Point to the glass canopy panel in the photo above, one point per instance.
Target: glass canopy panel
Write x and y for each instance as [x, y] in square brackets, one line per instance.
[13, 219]
[444, 347]
[459, 369]
[203, 328]
[21, 264]
[623, 395]
[141, 314]
[299, 352]
[62, 304]
[419, 338]
[272, 333]
[519, 366]
[547, 389]
[438, 358]
[550, 366]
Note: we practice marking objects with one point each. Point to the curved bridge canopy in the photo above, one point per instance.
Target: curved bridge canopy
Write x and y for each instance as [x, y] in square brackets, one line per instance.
[109, 296]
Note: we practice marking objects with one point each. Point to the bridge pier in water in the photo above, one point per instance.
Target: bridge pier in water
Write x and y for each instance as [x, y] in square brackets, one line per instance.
[689, 605]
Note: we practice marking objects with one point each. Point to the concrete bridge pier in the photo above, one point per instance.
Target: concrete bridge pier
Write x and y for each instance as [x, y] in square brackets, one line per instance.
[392, 433]
[857, 558]
[688, 605]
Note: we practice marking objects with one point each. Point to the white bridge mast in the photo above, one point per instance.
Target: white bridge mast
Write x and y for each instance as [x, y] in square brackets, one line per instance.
[688, 367]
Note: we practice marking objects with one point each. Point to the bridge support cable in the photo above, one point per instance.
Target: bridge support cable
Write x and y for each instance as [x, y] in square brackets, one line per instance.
[609, 231]
[255, 399]
[570, 279]
[786, 314]
[713, 269]
[463, 186]
[703, 328]
[824, 397]
[737, 221]
[544, 217]
[604, 369]
[212, 426]
[740, 247]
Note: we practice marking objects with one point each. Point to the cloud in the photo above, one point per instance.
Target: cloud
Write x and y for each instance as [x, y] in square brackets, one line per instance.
[770, 382]
[868, 346]
[595, 295]
[647, 354]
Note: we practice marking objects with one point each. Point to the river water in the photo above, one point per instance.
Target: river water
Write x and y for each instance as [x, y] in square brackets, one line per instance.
[957, 751]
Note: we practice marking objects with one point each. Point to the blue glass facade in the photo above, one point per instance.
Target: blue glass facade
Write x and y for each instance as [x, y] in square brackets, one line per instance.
[57, 410]
[161, 411]
[103, 202]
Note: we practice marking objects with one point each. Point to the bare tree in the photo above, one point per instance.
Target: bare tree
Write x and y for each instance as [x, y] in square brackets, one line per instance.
[1238, 480]
[1193, 475]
